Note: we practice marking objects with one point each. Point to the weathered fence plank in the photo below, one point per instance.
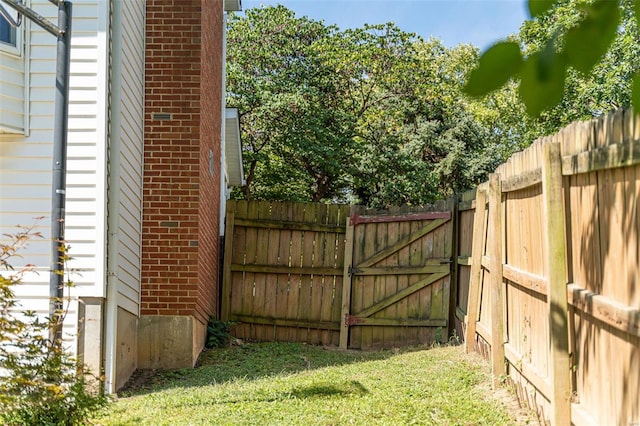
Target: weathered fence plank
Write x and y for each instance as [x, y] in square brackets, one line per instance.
[475, 279]
[497, 292]
[226, 274]
[557, 291]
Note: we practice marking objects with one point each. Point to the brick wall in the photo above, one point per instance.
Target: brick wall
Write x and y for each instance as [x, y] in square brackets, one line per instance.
[210, 131]
[181, 197]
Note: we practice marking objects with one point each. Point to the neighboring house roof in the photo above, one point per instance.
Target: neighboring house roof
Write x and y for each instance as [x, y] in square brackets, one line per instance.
[232, 5]
[233, 148]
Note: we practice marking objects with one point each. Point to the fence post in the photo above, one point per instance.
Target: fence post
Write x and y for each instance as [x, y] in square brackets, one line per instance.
[497, 293]
[452, 247]
[477, 249]
[228, 253]
[557, 295]
[346, 284]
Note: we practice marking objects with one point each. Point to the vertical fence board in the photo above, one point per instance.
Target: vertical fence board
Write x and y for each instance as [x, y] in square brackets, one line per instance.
[228, 252]
[284, 252]
[271, 281]
[295, 279]
[391, 283]
[497, 320]
[439, 302]
[260, 300]
[240, 279]
[371, 246]
[631, 222]
[402, 307]
[336, 259]
[377, 290]
[346, 287]
[557, 288]
[475, 280]
[249, 295]
[355, 333]
[313, 257]
[450, 254]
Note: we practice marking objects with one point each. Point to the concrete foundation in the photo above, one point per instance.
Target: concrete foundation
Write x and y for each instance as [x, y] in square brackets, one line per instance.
[127, 347]
[169, 341]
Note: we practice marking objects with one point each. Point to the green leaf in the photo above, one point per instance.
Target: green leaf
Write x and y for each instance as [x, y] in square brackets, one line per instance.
[497, 65]
[636, 9]
[540, 7]
[635, 93]
[587, 43]
[542, 81]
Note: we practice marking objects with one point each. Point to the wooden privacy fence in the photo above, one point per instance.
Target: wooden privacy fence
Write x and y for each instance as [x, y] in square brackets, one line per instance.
[283, 270]
[336, 275]
[552, 287]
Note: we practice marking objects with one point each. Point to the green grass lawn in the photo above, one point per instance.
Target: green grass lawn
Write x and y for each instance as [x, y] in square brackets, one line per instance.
[296, 384]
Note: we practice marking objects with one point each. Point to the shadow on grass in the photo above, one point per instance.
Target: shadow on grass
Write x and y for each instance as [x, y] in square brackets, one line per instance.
[254, 361]
[340, 389]
[352, 387]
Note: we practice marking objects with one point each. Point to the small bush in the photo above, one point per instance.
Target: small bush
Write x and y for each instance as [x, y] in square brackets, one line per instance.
[218, 332]
[40, 382]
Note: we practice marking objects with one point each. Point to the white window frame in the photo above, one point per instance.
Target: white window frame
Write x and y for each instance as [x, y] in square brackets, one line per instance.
[19, 52]
[16, 50]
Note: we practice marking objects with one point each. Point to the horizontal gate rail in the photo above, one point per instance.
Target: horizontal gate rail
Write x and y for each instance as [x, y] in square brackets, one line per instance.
[403, 322]
[249, 319]
[292, 226]
[442, 266]
[284, 269]
[357, 219]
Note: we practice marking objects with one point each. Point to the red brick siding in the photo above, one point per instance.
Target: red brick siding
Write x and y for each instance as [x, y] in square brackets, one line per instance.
[180, 197]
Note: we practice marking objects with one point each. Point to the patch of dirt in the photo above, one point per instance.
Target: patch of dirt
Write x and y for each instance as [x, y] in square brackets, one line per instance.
[506, 395]
[140, 379]
[519, 411]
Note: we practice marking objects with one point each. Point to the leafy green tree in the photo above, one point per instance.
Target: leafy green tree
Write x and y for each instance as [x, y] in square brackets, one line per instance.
[579, 59]
[294, 141]
[359, 115]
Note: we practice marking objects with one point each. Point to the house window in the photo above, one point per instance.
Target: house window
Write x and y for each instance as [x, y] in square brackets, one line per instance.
[8, 34]
[12, 75]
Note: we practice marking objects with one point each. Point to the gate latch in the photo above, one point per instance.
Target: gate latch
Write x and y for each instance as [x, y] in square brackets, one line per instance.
[445, 261]
[353, 271]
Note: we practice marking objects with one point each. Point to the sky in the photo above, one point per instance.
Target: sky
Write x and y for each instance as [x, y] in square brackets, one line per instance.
[479, 22]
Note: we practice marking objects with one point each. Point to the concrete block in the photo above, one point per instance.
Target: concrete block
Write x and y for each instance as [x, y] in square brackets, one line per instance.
[127, 346]
[169, 341]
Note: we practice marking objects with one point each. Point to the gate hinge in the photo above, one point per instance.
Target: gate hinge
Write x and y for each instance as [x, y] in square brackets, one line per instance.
[445, 261]
[350, 320]
[353, 271]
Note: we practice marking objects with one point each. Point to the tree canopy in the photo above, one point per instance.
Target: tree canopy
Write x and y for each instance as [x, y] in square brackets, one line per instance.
[574, 59]
[371, 115]
[381, 117]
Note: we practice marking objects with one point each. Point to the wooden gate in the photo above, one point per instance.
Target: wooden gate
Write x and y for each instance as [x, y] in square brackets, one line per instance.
[399, 285]
[299, 272]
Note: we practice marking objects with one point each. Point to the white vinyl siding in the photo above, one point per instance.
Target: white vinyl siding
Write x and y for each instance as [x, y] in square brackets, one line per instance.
[26, 161]
[126, 151]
